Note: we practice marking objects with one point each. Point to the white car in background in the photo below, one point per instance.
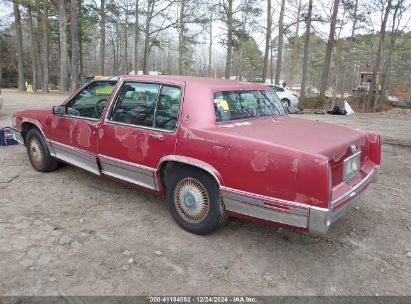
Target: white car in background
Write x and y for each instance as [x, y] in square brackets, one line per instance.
[287, 97]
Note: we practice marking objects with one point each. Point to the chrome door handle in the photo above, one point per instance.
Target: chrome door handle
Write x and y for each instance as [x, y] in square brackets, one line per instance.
[158, 136]
[94, 125]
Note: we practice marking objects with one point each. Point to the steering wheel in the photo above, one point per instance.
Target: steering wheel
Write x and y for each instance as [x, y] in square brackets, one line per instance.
[98, 108]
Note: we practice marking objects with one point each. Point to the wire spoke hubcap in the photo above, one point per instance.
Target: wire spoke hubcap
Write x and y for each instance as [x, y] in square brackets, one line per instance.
[191, 200]
[35, 151]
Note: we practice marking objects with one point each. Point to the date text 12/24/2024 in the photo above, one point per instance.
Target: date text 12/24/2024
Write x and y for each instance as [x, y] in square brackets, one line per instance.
[202, 299]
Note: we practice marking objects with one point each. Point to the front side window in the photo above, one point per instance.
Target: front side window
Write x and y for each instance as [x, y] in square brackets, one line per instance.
[91, 101]
[234, 105]
[148, 105]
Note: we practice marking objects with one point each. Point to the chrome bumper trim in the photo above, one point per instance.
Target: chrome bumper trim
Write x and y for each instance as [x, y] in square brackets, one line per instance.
[320, 219]
[265, 213]
[265, 208]
[316, 219]
[16, 134]
[352, 191]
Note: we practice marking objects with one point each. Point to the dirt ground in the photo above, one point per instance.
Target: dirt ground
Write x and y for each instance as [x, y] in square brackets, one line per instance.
[72, 233]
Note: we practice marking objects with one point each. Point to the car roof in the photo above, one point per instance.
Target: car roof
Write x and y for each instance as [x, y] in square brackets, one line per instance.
[213, 84]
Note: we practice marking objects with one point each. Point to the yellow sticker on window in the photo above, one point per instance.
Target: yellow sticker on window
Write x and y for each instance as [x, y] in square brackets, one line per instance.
[222, 103]
[106, 90]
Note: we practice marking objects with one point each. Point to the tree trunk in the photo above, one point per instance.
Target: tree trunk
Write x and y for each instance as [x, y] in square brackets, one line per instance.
[136, 38]
[337, 70]
[80, 37]
[328, 51]
[38, 41]
[19, 44]
[370, 103]
[33, 50]
[117, 50]
[394, 34]
[150, 3]
[296, 46]
[267, 41]
[63, 46]
[229, 39]
[306, 47]
[350, 48]
[409, 99]
[181, 39]
[74, 46]
[102, 37]
[240, 67]
[280, 43]
[45, 49]
[125, 65]
[210, 42]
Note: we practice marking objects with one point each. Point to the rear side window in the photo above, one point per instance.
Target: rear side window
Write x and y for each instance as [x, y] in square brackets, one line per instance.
[147, 104]
[234, 105]
[167, 108]
[136, 104]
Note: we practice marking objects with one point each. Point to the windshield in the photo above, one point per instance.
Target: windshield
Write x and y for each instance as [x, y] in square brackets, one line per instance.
[234, 105]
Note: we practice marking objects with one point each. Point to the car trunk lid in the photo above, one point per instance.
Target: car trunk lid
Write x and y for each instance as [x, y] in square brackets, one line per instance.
[332, 141]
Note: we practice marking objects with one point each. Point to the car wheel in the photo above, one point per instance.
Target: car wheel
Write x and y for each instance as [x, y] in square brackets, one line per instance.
[285, 102]
[194, 200]
[38, 152]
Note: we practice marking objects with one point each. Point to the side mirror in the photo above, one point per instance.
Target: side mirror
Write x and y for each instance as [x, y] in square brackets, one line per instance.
[60, 110]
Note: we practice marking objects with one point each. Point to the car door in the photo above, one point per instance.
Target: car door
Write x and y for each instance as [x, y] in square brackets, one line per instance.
[74, 134]
[140, 128]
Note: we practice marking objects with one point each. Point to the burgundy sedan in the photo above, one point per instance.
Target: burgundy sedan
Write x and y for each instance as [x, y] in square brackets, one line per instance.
[214, 148]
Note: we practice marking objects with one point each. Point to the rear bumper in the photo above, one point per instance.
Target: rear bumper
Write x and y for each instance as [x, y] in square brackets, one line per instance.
[16, 134]
[289, 214]
[320, 219]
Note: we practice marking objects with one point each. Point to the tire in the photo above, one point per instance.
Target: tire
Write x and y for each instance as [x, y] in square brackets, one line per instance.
[286, 103]
[39, 154]
[193, 199]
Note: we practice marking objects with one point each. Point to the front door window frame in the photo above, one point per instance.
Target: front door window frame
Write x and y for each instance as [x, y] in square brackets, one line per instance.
[66, 102]
[115, 101]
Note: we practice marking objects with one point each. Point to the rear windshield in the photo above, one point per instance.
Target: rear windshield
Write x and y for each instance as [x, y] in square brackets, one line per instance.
[234, 105]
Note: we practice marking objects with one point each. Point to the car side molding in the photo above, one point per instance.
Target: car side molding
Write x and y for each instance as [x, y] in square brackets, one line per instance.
[193, 162]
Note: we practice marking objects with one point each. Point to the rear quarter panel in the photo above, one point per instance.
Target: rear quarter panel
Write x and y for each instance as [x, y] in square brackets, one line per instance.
[250, 167]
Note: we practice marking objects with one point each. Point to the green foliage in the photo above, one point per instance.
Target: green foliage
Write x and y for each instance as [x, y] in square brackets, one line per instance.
[8, 60]
[247, 57]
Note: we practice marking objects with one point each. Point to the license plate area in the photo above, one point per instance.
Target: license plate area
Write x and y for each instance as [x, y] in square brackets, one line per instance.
[351, 166]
